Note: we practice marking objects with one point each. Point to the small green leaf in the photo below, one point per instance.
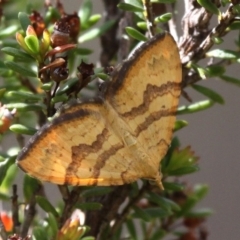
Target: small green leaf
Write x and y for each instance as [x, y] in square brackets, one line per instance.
[66, 86]
[158, 234]
[173, 186]
[24, 107]
[132, 32]
[102, 76]
[52, 13]
[175, 144]
[142, 25]
[96, 32]
[157, 212]
[59, 98]
[53, 224]
[201, 71]
[40, 233]
[24, 20]
[163, 1]
[234, 25]
[225, 2]
[21, 129]
[2, 92]
[96, 191]
[135, 3]
[209, 6]
[30, 186]
[195, 107]
[130, 7]
[85, 12]
[93, 20]
[47, 86]
[8, 31]
[32, 43]
[165, 203]
[209, 93]
[163, 18]
[88, 238]
[199, 213]
[183, 171]
[225, 54]
[236, 9]
[231, 80]
[181, 162]
[187, 206]
[179, 124]
[4, 197]
[214, 71]
[83, 51]
[200, 191]
[161, 201]
[131, 228]
[26, 72]
[89, 206]
[217, 40]
[23, 95]
[174, 206]
[140, 213]
[17, 53]
[4, 166]
[9, 178]
[46, 205]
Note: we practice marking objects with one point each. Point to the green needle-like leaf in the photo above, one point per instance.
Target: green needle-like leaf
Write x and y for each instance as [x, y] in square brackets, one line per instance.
[132, 32]
[209, 6]
[46, 205]
[19, 54]
[26, 72]
[231, 80]
[130, 7]
[21, 129]
[85, 12]
[209, 93]
[225, 54]
[32, 43]
[195, 107]
[24, 20]
[4, 166]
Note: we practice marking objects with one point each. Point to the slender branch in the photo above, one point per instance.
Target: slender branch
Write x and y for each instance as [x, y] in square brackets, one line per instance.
[99, 220]
[124, 42]
[149, 17]
[109, 41]
[15, 217]
[29, 213]
[172, 22]
[70, 199]
[122, 216]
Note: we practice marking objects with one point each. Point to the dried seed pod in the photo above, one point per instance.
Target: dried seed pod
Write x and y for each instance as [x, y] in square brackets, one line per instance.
[60, 35]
